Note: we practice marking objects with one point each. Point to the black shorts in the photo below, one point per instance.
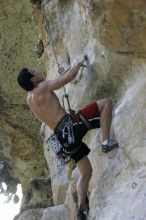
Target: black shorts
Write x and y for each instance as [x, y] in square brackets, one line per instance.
[92, 115]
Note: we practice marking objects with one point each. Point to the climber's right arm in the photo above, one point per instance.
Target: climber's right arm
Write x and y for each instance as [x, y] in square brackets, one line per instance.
[57, 83]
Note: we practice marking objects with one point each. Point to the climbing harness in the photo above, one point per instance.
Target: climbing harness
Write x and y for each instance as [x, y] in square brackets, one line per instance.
[62, 142]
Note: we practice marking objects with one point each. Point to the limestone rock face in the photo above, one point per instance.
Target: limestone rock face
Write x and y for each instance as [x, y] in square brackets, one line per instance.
[31, 214]
[60, 212]
[113, 35]
[123, 26]
[120, 190]
[106, 31]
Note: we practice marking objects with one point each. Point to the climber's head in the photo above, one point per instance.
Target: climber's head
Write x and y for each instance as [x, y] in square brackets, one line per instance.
[28, 79]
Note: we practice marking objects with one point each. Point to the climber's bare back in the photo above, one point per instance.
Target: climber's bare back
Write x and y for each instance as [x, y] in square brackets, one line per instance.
[46, 107]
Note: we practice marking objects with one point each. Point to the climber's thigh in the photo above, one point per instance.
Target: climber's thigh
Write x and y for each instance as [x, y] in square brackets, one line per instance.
[85, 167]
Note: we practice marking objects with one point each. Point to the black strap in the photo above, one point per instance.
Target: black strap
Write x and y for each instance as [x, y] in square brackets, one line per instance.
[85, 121]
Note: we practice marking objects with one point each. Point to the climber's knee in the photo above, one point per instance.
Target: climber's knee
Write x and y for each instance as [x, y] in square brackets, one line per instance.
[107, 102]
[86, 177]
[85, 168]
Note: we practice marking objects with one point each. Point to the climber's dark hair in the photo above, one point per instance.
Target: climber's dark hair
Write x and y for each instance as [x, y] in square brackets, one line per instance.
[24, 79]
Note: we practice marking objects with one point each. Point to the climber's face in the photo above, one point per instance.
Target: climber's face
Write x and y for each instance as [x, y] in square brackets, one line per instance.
[37, 76]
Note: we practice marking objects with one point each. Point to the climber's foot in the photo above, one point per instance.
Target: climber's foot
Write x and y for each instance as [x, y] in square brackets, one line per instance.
[82, 213]
[109, 145]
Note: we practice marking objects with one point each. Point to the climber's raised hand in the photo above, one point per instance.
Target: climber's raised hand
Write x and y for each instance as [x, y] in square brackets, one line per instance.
[81, 63]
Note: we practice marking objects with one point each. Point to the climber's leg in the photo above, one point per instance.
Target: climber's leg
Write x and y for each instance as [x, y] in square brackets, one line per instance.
[105, 108]
[85, 169]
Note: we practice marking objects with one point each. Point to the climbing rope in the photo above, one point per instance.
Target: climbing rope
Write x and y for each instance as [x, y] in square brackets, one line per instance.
[60, 69]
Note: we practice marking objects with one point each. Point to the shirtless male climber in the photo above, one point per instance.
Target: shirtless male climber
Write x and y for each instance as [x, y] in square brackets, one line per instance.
[68, 129]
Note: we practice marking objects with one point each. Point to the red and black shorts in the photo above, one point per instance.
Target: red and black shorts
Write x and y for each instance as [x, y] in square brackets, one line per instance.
[92, 114]
[79, 128]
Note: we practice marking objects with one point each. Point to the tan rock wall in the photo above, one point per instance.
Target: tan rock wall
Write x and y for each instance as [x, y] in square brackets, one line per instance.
[106, 31]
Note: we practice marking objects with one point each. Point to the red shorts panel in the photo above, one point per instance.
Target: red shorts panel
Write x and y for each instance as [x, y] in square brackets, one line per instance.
[90, 111]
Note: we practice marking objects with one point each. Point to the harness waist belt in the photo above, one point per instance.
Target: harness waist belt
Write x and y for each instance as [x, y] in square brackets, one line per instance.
[70, 152]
